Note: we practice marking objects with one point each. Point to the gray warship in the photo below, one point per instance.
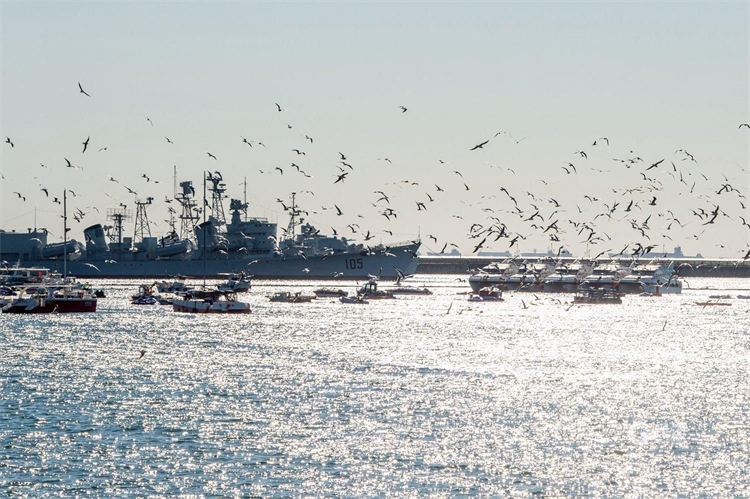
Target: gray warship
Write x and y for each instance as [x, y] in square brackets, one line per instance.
[209, 248]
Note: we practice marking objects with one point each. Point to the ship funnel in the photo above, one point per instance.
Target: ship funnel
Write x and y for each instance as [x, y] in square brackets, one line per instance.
[95, 240]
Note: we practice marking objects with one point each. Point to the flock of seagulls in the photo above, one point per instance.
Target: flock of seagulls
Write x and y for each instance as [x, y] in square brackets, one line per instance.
[509, 215]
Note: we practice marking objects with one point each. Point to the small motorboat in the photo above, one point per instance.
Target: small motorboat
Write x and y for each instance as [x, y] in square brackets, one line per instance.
[210, 302]
[370, 291]
[408, 290]
[353, 299]
[289, 297]
[144, 300]
[489, 293]
[176, 286]
[329, 293]
[143, 290]
[236, 283]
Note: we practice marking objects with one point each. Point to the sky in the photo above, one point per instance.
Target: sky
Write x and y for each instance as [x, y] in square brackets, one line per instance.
[540, 80]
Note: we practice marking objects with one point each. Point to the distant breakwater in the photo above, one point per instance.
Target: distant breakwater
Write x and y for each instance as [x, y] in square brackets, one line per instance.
[686, 267]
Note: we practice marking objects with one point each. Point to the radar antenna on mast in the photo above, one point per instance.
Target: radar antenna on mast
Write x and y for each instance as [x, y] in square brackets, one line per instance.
[188, 216]
[217, 189]
[142, 226]
[118, 216]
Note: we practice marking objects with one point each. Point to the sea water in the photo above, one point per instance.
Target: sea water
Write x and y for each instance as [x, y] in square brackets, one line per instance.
[417, 395]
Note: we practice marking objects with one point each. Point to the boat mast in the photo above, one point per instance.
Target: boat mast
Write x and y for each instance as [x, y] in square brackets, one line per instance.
[292, 219]
[244, 196]
[204, 229]
[65, 233]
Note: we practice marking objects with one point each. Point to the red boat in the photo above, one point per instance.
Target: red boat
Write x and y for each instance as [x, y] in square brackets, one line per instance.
[45, 301]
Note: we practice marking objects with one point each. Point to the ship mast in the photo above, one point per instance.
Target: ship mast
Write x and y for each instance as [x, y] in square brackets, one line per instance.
[142, 226]
[65, 233]
[244, 197]
[204, 229]
[293, 218]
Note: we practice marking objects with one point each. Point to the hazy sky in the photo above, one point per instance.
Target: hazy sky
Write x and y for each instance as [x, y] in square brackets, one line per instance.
[651, 77]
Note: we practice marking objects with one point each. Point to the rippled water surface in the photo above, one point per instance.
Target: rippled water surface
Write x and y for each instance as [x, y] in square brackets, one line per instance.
[422, 394]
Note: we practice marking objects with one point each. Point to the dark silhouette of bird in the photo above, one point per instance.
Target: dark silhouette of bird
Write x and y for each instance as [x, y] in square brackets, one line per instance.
[653, 202]
[169, 141]
[46, 192]
[654, 165]
[142, 352]
[438, 188]
[421, 206]
[341, 177]
[85, 144]
[8, 141]
[280, 170]
[20, 196]
[309, 138]
[68, 163]
[479, 146]
[479, 246]
[744, 124]
[278, 107]
[211, 155]
[338, 210]
[81, 90]
[403, 109]
[299, 152]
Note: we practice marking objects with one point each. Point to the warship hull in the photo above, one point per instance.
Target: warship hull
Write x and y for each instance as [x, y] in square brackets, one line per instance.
[345, 265]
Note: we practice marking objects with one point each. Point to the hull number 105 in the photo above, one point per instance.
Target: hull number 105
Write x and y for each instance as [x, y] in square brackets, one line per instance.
[353, 263]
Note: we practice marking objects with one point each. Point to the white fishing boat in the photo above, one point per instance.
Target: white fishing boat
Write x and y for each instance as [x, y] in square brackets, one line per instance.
[236, 283]
[648, 277]
[210, 302]
[57, 298]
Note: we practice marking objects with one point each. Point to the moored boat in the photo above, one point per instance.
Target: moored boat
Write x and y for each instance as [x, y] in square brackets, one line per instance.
[58, 299]
[289, 297]
[598, 295]
[370, 291]
[210, 302]
[490, 293]
[329, 293]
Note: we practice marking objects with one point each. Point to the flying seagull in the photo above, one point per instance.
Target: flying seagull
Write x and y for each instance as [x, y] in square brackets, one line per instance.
[85, 144]
[479, 146]
[82, 90]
